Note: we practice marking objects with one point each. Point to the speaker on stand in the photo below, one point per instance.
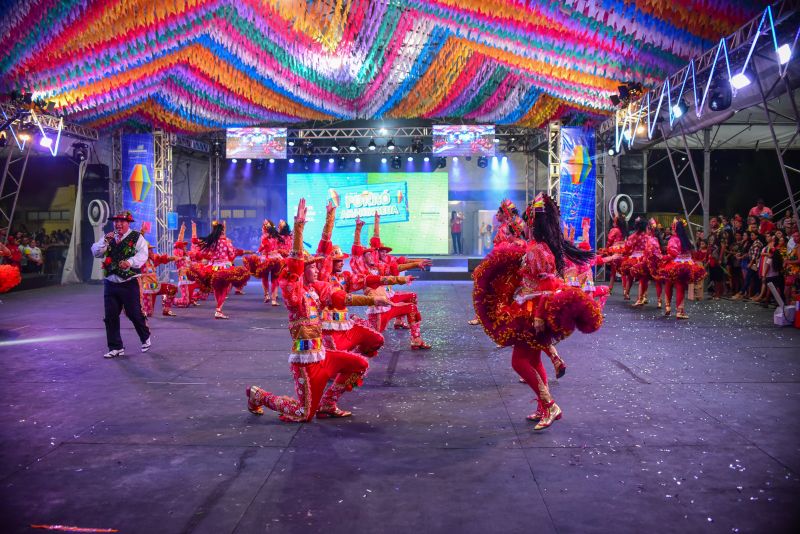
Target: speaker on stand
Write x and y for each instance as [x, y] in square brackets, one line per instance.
[95, 198]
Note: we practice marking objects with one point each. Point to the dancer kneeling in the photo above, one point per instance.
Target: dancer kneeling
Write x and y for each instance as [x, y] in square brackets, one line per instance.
[522, 301]
[311, 362]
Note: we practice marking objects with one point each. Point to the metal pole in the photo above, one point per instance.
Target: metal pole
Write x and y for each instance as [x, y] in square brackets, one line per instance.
[645, 153]
[706, 178]
[678, 183]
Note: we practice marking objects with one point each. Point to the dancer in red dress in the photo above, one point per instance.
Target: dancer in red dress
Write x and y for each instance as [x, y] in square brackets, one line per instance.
[680, 270]
[312, 364]
[522, 302]
[151, 287]
[633, 266]
[267, 264]
[615, 245]
[647, 268]
[186, 288]
[223, 274]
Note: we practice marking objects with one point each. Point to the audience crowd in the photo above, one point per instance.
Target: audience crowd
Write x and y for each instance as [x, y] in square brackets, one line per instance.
[36, 251]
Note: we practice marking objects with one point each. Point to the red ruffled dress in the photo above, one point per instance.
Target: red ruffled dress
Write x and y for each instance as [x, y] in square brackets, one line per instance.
[680, 268]
[515, 285]
[634, 264]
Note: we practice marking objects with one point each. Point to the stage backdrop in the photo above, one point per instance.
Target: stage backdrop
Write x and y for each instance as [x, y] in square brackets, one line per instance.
[413, 208]
[138, 193]
[577, 197]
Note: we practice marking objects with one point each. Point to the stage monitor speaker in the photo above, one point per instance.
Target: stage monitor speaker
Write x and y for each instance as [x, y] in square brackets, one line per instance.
[95, 199]
[631, 179]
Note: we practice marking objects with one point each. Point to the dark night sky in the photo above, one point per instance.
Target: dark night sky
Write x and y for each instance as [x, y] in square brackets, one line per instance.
[738, 178]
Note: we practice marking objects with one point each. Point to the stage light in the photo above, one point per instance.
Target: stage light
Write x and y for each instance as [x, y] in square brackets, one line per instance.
[234, 160]
[505, 158]
[496, 140]
[410, 159]
[740, 81]
[330, 160]
[426, 159]
[80, 152]
[316, 160]
[455, 159]
[641, 129]
[45, 142]
[383, 160]
[272, 160]
[720, 96]
[390, 145]
[611, 151]
[335, 147]
[784, 54]
[249, 160]
[358, 160]
[679, 109]
[353, 145]
[372, 144]
[483, 162]
[291, 160]
[511, 148]
[291, 143]
[382, 131]
[395, 162]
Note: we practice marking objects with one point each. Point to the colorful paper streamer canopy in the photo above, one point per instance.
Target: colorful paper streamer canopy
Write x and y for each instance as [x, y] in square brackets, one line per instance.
[198, 65]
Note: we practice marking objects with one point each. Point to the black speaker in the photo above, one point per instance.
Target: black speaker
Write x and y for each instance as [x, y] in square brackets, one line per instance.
[631, 179]
[95, 187]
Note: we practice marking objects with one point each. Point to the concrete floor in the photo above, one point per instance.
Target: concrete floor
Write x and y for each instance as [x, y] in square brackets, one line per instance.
[668, 427]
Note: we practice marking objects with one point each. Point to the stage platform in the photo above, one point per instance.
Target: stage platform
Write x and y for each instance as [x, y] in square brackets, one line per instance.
[668, 426]
[448, 267]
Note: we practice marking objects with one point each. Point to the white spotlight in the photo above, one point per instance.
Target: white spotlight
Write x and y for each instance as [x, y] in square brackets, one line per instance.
[740, 80]
[784, 54]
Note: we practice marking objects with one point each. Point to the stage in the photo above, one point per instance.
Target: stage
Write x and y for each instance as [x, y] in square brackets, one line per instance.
[668, 427]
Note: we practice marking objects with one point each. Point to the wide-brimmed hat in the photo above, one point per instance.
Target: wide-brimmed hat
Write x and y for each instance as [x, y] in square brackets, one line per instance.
[123, 216]
[337, 254]
[309, 259]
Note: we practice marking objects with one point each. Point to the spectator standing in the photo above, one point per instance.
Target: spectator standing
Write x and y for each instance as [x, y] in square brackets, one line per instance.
[456, 221]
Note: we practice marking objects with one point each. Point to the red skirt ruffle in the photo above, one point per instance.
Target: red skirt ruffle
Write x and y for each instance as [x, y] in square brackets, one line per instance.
[9, 278]
[200, 274]
[507, 322]
[260, 268]
[235, 276]
[685, 272]
[634, 268]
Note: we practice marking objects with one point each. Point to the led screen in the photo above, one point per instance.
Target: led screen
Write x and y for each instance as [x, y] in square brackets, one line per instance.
[256, 143]
[413, 208]
[463, 140]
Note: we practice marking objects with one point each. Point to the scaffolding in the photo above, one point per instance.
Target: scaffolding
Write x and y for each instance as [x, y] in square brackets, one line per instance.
[10, 185]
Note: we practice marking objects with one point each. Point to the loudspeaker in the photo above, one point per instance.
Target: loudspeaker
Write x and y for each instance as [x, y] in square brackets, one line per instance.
[95, 187]
[631, 178]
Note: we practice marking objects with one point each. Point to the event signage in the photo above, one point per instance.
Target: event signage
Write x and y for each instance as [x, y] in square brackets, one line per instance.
[390, 201]
[577, 187]
[138, 193]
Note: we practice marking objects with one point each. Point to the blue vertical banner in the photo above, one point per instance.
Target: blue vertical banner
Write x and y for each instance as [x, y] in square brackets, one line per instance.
[138, 191]
[577, 188]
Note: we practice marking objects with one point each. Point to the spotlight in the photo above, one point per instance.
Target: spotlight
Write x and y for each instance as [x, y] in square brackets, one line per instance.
[383, 160]
[455, 159]
[353, 145]
[679, 109]
[784, 54]
[390, 145]
[330, 160]
[291, 142]
[496, 140]
[410, 159]
[505, 158]
[511, 148]
[740, 80]
[234, 160]
[249, 160]
[483, 162]
[426, 159]
[335, 147]
[80, 152]
[382, 131]
[316, 160]
[308, 146]
[720, 96]
[272, 160]
[372, 144]
[641, 129]
[395, 162]
[358, 160]
[45, 142]
[291, 160]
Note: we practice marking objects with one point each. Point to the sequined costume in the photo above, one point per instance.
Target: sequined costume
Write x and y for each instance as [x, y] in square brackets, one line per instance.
[679, 271]
[266, 265]
[151, 287]
[312, 363]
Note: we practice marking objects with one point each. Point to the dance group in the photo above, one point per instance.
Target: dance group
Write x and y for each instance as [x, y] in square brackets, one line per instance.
[531, 292]
[639, 257]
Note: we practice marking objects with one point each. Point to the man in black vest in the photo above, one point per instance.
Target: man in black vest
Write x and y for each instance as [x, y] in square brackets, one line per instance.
[124, 252]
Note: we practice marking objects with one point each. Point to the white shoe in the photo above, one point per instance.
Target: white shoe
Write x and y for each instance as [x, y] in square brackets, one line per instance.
[114, 353]
[146, 345]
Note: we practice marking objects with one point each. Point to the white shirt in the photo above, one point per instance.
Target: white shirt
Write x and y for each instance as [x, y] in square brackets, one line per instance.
[138, 259]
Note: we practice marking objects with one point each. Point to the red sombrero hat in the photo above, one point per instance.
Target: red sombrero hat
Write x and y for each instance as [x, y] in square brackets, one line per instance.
[124, 216]
[337, 254]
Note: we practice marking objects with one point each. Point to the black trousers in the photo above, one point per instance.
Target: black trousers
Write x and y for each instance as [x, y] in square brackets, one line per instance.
[117, 297]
